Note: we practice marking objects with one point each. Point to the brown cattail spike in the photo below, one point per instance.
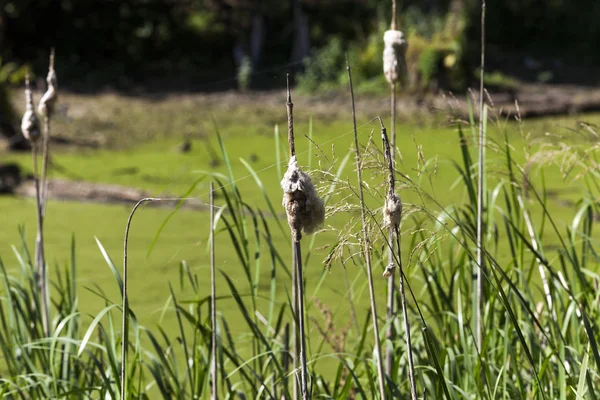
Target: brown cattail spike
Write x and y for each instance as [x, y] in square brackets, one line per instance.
[30, 124]
[394, 56]
[392, 209]
[305, 209]
[290, 108]
[48, 101]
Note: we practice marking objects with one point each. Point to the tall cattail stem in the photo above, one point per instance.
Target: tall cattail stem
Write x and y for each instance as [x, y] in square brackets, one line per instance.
[290, 115]
[367, 245]
[40, 259]
[391, 295]
[47, 106]
[300, 316]
[297, 281]
[411, 365]
[480, 194]
[45, 157]
[213, 298]
[393, 15]
[295, 336]
[42, 268]
[394, 233]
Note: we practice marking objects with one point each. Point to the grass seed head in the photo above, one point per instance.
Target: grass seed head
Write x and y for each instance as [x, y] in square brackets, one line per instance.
[49, 99]
[394, 56]
[392, 211]
[305, 209]
[30, 124]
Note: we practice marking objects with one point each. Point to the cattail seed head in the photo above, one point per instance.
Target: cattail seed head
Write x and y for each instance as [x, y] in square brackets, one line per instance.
[394, 56]
[392, 211]
[305, 209]
[388, 270]
[49, 99]
[30, 124]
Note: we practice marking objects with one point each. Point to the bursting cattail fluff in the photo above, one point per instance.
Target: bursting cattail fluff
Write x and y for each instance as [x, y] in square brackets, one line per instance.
[394, 56]
[392, 211]
[305, 209]
[30, 124]
[48, 101]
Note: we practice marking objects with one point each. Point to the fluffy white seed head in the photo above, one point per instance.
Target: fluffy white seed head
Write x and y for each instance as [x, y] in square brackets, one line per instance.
[49, 99]
[305, 209]
[394, 56]
[389, 270]
[30, 124]
[392, 211]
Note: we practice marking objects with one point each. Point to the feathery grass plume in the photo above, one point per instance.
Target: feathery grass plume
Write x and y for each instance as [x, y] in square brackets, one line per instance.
[305, 209]
[30, 124]
[305, 212]
[367, 244]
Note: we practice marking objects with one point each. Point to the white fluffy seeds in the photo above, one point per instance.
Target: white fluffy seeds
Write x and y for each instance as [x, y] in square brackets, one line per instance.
[392, 211]
[394, 56]
[30, 124]
[389, 270]
[48, 101]
[305, 209]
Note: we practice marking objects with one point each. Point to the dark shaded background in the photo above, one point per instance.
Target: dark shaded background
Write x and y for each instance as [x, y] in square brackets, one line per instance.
[190, 43]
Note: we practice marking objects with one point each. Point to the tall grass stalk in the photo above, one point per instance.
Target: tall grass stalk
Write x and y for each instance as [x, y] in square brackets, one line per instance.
[213, 298]
[366, 244]
[125, 302]
[480, 193]
[297, 280]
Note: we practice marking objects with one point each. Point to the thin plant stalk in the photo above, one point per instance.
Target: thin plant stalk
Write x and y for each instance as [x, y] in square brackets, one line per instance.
[39, 241]
[46, 146]
[391, 294]
[480, 194]
[301, 328]
[42, 211]
[213, 300]
[411, 365]
[125, 302]
[125, 299]
[366, 244]
[43, 186]
[393, 15]
[297, 281]
[394, 232]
